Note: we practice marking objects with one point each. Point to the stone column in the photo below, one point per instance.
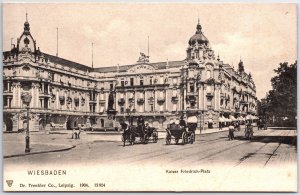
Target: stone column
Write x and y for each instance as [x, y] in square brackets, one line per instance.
[215, 98]
[116, 102]
[155, 100]
[106, 101]
[184, 97]
[126, 101]
[135, 101]
[97, 105]
[15, 121]
[199, 97]
[166, 100]
[204, 99]
[57, 99]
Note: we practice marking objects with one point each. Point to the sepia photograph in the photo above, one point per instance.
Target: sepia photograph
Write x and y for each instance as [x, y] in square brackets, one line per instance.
[149, 97]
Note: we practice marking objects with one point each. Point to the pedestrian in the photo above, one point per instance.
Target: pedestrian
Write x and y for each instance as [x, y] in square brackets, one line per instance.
[231, 131]
[182, 123]
[220, 126]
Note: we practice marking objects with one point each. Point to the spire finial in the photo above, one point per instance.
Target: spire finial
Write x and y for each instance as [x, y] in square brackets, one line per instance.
[199, 28]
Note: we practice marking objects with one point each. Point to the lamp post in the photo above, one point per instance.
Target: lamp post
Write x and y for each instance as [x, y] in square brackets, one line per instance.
[27, 99]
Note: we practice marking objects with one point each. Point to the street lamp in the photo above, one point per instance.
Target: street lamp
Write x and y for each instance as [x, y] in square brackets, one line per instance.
[27, 99]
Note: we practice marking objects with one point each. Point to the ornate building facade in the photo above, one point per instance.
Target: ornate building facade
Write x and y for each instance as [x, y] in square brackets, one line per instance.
[67, 94]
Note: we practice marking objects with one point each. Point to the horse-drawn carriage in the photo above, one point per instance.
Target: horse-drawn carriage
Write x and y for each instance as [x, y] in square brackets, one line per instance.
[143, 133]
[177, 132]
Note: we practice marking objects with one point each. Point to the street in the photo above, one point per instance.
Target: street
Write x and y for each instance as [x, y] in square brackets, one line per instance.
[270, 147]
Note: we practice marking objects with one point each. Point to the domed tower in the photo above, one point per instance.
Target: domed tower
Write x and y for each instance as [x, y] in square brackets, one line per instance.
[26, 43]
[199, 49]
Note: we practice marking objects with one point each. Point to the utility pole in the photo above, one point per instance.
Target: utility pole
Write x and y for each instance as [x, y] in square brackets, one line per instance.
[92, 55]
[148, 47]
[56, 42]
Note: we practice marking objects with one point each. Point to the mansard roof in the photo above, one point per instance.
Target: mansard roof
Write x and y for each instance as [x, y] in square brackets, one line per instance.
[68, 63]
[124, 68]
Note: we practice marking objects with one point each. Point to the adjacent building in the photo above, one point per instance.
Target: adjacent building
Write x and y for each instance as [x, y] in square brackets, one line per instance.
[67, 94]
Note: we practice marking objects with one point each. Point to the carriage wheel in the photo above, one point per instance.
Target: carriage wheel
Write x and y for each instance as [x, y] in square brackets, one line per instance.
[184, 138]
[192, 138]
[168, 140]
[145, 139]
[123, 138]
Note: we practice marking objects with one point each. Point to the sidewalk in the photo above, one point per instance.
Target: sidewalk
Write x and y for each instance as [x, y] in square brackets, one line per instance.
[15, 149]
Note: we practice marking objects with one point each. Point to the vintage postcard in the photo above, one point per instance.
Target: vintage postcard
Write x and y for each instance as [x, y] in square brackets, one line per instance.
[150, 97]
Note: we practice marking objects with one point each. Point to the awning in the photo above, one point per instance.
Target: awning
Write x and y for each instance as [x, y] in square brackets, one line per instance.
[192, 119]
[248, 117]
[241, 118]
[233, 118]
[210, 121]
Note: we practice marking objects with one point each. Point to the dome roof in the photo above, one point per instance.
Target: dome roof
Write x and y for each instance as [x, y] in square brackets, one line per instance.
[198, 36]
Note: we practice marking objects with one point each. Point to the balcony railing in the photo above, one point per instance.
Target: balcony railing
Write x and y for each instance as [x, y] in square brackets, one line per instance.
[174, 99]
[121, 101]
[210, 95]
[140, 100]
[160, 99]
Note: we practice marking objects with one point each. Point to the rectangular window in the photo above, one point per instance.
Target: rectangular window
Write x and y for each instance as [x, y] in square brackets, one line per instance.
[5, 102]
[122, 83]
[192, 87]
[111, 86]
[141, 82]
[131, 81]
[5, 86]
[151, 81]
[151, 107]
[122, 110]
[52, 77]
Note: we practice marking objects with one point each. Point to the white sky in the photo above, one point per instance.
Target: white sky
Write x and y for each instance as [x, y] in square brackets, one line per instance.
[262, 34]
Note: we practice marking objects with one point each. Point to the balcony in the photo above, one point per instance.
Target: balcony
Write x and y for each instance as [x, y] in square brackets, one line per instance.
[192, 99]
[140, 100]
[174, 99]
[61, 99]
[121, 101]
[131, 100]
[210, 95]
[209, 107]
[160, 100]
[151, 100]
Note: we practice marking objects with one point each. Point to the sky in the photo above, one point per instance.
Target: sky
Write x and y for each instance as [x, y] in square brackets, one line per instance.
[262, 35]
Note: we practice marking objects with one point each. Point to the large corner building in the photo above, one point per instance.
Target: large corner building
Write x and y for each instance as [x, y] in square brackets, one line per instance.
[66, 94]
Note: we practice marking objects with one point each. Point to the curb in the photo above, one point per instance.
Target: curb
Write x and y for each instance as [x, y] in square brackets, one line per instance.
[41, 152]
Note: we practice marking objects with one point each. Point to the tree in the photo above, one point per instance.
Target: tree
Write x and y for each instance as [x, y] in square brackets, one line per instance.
[282, 99]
